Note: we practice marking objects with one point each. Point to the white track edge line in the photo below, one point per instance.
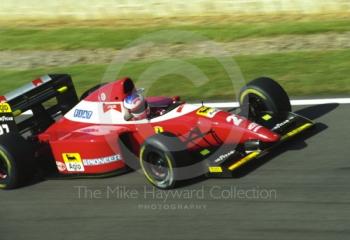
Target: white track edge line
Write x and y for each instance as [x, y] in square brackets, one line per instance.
[301, 102]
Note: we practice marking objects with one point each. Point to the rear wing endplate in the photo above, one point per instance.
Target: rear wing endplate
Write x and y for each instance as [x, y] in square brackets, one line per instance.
[36, 105]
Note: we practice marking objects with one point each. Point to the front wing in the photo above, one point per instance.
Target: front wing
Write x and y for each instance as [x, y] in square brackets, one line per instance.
[287, 125]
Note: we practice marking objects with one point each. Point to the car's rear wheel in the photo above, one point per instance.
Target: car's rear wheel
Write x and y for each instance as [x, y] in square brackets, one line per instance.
[263, 95]
[16, 162]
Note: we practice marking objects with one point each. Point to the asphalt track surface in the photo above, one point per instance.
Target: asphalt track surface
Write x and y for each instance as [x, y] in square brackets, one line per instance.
[307, 181]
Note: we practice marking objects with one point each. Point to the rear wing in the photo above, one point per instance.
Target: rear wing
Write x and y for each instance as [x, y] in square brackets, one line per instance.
[37, 105]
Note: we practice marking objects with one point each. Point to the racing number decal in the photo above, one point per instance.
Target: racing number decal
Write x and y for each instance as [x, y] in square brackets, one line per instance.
[235, 119]
[73, 162]
[4, 129]
[207, 112]
[7, 121]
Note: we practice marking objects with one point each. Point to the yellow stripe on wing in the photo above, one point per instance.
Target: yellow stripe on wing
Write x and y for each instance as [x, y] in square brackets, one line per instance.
[255, 154]
[244, 160]
[296, 131]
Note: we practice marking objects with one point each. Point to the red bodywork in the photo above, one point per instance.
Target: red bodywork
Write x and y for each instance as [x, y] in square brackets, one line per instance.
[85, 140]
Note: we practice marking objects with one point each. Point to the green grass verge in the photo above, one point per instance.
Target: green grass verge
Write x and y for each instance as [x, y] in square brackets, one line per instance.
[302, 73]
[108, 37]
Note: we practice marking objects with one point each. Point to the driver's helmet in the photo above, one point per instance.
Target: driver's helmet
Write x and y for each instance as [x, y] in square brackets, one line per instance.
[136, 105]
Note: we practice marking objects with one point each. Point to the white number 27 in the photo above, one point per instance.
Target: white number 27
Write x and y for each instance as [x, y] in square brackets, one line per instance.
[4, 128]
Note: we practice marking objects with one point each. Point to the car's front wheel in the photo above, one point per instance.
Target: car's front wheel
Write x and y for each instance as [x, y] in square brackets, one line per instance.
[263, 95]
[163, 159]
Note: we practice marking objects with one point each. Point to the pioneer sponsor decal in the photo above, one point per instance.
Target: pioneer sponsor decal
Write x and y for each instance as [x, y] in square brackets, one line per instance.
[101, 161]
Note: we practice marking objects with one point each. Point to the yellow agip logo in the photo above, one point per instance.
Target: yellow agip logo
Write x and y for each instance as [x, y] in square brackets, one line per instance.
[5, 108]
[73, 162]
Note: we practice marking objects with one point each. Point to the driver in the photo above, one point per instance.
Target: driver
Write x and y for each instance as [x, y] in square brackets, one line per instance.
[136, 106]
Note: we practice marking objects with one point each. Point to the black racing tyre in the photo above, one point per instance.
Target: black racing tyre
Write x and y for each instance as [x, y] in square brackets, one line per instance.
[261, 95]
[91, 90]
[164, 160]
[16, 162]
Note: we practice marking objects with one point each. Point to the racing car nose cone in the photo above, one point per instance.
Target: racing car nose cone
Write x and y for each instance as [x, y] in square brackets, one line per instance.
[261, 132]
[267, 135]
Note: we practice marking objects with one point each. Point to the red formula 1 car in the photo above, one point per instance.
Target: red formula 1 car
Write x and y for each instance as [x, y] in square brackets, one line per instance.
[46, 129]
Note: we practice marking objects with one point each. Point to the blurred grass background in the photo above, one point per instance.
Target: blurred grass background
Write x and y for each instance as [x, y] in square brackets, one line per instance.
[302, 73]
[56, 37]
